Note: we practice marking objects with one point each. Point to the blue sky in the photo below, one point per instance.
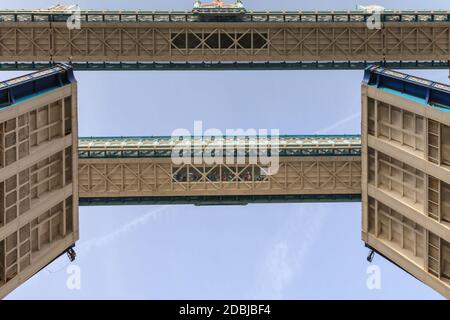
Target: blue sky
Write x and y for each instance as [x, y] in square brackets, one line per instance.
[289, 251]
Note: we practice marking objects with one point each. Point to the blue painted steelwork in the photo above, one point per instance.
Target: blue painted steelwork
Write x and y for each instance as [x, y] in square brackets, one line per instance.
[32, 84]
[161, 147]
[219, 200]
[429, 92]
[216, 66]
[168, 152]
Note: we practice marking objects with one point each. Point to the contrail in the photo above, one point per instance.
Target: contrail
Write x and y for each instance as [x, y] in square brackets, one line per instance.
[103, 241]
[338, 124]
[85, 248]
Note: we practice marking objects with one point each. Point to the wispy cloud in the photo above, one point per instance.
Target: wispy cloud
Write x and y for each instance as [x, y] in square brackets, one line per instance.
[276, 272]
[287, 254]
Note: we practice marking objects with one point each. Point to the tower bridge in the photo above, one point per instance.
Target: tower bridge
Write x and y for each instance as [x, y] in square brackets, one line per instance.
[399, 168]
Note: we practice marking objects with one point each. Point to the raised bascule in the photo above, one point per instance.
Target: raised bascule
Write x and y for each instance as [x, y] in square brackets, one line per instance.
[399, 168]
[406, 173]
[38, 172]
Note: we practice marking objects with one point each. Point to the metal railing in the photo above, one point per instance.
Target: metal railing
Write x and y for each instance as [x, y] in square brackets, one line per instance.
[161, 147]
